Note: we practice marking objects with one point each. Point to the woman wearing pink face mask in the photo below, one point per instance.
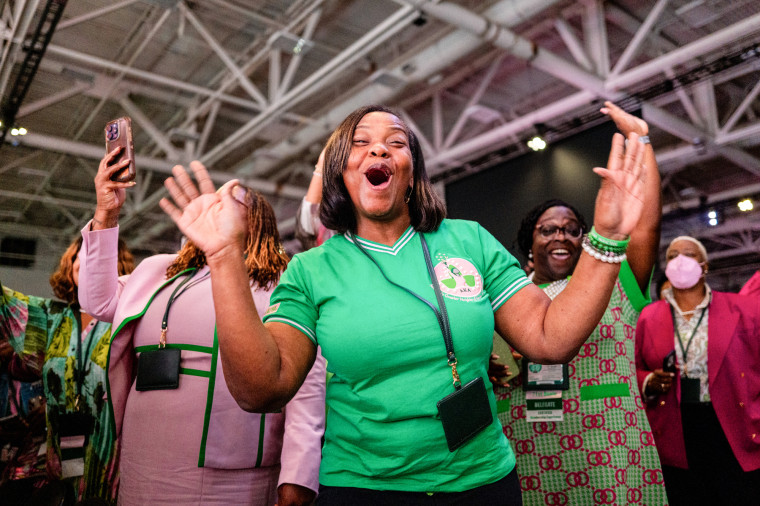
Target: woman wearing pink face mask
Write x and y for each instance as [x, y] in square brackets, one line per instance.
[698, 367]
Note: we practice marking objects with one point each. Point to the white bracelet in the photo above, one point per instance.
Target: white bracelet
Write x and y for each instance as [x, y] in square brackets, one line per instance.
[317, 173]
[604, 256]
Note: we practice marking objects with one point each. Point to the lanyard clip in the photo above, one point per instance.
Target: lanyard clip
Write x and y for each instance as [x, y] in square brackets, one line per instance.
[454, 373]
[162, 340]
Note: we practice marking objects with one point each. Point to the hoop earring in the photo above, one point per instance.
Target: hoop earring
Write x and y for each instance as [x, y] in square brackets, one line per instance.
[408, 194]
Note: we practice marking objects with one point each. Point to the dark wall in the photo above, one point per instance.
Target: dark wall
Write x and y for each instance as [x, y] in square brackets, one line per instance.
[499, 197]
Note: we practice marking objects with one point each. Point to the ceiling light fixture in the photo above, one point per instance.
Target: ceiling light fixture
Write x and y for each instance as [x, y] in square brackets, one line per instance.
[745, 205]
[712, 217]
[537, 143]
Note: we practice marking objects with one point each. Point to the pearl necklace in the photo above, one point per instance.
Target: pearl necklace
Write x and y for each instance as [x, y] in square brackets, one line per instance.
[554, 288]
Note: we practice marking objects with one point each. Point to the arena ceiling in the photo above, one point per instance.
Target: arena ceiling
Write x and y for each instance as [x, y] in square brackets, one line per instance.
[253, 87]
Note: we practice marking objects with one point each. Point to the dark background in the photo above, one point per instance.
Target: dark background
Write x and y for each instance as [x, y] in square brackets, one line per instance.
[500, 197]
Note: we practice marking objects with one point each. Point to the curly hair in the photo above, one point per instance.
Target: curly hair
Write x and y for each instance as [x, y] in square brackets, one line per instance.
[528, 223]
[426, 209]
[62, 280]
[265, 258]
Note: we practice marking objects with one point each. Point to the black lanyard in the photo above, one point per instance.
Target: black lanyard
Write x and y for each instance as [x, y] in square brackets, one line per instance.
[693, 332]
[441, 315]
[80, 371]
[175, 295]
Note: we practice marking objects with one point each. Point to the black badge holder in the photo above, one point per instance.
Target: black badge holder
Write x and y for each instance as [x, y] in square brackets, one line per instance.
[159, 369]
[465, 412]
[690, 387]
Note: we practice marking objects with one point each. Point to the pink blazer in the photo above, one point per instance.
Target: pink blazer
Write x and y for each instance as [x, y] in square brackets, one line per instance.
[733, 365]
[292, 438]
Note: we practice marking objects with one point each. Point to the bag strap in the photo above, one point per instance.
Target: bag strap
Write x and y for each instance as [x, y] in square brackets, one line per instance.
[441, 315]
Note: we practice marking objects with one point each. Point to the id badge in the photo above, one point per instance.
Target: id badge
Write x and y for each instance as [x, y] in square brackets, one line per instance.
[465, 413]
[158, 369]
[689, 390]
[545, 377]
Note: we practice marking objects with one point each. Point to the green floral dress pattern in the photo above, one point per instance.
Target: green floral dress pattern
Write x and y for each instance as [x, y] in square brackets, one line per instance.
[48, 335]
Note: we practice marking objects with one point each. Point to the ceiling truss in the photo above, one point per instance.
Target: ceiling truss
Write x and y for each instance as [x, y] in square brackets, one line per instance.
[474, 78]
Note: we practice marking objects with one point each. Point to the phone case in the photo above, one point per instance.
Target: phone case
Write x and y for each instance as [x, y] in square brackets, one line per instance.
[501, 348]
[119, 134]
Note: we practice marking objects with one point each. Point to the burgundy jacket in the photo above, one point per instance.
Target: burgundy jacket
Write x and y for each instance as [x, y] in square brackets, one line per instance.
[733, 366]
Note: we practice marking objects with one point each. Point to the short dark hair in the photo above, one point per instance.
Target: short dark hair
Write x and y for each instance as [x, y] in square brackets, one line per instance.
[528, 223]
[336, 212]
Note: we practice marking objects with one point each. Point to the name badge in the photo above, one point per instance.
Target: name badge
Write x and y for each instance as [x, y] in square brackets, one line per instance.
[545, 377]
[544, 406]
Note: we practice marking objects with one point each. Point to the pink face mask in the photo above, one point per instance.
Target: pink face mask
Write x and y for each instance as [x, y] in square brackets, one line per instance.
[683, 272]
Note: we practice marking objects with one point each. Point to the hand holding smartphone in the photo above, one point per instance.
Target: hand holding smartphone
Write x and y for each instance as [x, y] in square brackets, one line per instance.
[669, 362]
[119, 134]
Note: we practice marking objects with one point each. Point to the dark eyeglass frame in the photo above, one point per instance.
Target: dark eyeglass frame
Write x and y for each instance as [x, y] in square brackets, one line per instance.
[547, 231]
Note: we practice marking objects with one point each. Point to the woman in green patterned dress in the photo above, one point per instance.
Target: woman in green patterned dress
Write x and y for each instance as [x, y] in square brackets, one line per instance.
[68, 349]
[579, 430]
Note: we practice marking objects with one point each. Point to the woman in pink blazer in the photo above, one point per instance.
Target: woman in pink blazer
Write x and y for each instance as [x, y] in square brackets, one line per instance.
[698, 367]
[183, 438]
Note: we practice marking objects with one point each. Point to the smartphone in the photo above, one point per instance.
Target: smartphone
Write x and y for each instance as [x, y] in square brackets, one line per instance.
[119, 134]
[669, 362]
[501, 348]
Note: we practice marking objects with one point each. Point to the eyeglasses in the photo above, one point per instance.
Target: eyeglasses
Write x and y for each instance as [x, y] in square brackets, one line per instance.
[572, 230]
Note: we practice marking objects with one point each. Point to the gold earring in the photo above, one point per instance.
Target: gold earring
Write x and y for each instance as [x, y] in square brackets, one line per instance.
[408, 194]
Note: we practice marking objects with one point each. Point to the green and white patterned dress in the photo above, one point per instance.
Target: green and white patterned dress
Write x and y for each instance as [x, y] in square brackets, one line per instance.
[603, 451]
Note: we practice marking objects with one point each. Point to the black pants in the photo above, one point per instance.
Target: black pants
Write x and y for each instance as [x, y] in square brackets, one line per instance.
[505, 492]
[714, 475]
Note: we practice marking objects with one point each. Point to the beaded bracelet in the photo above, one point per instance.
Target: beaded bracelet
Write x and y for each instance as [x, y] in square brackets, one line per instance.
[609, 257]
[606, 244]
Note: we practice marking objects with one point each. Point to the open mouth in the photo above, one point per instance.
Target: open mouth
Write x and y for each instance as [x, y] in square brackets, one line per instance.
[377, 175]
[560, 253]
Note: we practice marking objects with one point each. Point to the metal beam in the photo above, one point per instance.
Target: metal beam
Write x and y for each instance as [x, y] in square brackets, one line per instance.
[685, 54]
[417, 68]
[53, 99]
[315, 82]
[94, 61]
[641, 35]
[243, 80]
[517, 45]
[155, 133]
[65, 146]
[94, 14]
[572, 43]
[691, 133]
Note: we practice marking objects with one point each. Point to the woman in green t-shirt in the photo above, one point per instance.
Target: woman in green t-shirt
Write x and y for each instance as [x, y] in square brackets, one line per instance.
[379, 199]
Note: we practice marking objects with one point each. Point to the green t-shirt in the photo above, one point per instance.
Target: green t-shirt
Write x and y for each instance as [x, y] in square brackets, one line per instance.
[388, 356]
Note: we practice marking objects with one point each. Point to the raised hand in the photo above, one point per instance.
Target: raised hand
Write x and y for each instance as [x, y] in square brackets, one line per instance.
[620, 200]
[625, 122]
[214, 221]
[110, 195]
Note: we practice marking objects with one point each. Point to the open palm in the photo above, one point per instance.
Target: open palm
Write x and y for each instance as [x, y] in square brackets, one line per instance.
[211, 220]
[620, 200]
